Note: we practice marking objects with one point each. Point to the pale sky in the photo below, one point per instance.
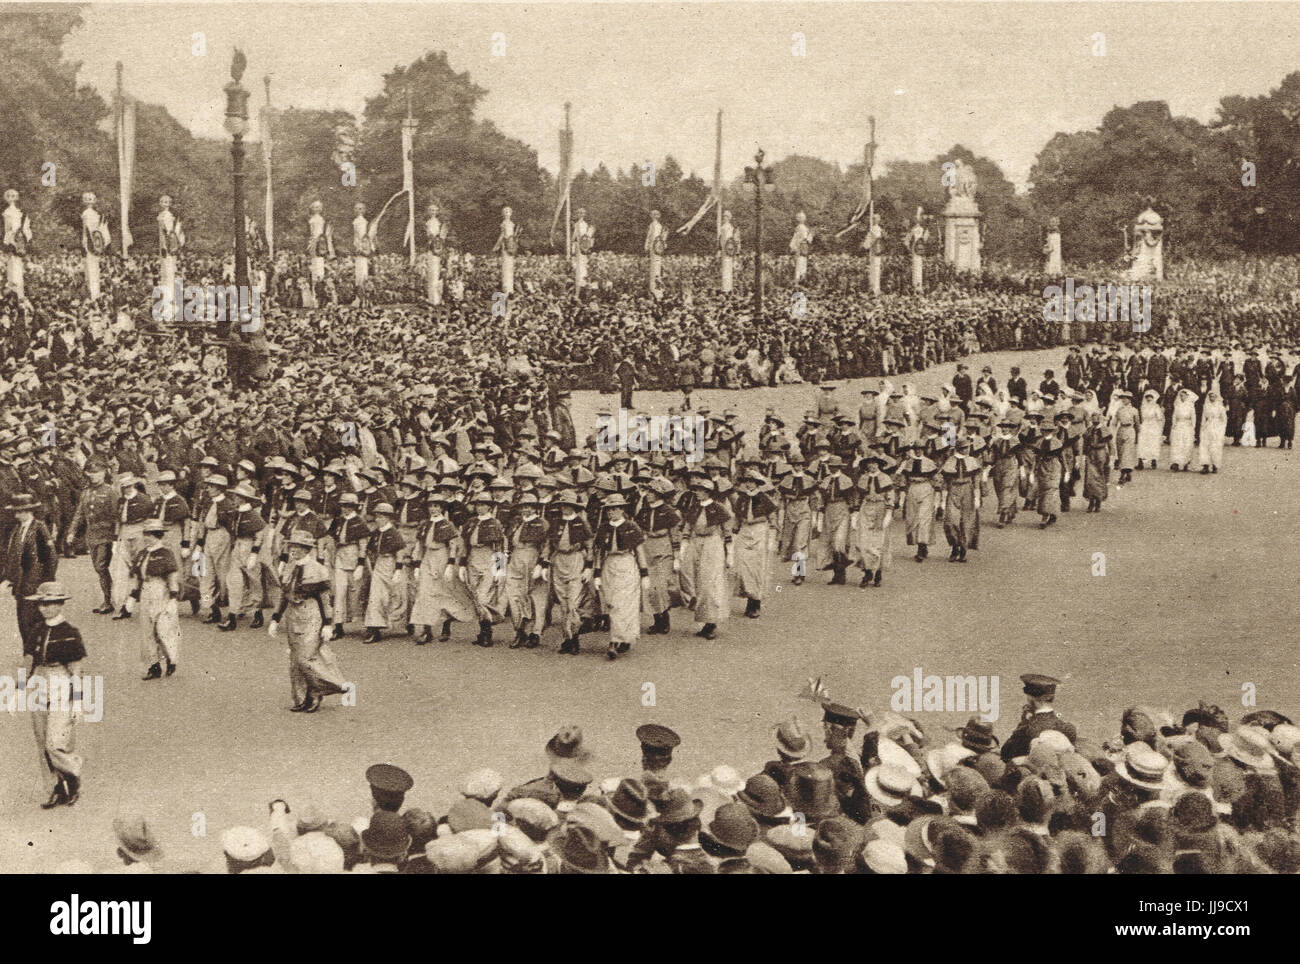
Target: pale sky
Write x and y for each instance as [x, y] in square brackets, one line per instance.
[646, 79]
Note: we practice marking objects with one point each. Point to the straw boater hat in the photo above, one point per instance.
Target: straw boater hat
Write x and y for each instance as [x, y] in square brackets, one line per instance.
[49, 592]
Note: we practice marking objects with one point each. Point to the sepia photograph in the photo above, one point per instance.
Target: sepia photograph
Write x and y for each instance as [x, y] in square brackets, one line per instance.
[603, 438]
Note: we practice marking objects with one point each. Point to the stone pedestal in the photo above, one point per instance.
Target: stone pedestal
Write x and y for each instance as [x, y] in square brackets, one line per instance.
[961, 234]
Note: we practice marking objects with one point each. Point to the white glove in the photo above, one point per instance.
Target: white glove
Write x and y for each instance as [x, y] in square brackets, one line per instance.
[596, 583]
[463, 573]
[537, 572]
[677, 564]
[586, 575]
[325, 633]
[731, 557]
[448, 571]
[645, 583]
[274, 629]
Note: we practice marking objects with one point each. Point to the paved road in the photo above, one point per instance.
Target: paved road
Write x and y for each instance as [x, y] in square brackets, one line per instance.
[1197, 600]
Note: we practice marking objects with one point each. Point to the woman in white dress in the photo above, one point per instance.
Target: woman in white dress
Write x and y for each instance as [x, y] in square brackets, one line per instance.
[1214, 426]
[1149, 432]
[1182, 432]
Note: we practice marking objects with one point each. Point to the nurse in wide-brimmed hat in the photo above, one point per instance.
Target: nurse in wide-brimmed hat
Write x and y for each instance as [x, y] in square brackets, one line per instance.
[56, 663]
[306, 613]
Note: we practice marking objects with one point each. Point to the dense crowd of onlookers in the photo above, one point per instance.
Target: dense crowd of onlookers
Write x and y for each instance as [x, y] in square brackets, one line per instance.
[1187, 794]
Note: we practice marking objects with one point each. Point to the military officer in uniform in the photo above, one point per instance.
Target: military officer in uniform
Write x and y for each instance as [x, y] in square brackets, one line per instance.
[94, 241]
[97, 515]
[17, 236]
[656, 243]
[435, 238]
[800, 245]
[1039, 714]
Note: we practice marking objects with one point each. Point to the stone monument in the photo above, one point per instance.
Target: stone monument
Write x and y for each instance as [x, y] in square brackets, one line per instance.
[961, 221]
[1147, 252]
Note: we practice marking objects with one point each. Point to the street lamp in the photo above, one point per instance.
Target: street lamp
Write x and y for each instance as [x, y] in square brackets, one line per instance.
[761, 177]
[237, 126]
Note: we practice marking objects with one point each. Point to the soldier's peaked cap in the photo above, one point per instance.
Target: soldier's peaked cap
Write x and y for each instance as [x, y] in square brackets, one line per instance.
[1037, 684]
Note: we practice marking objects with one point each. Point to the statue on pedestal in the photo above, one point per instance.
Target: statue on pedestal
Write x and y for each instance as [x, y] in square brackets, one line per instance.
[874, 243]
[171, 239]
[508, 244]
[656, 243]
[1052, 248]
[1147, 258]
[915, 243]
[961, 216]
[17, 236]
[729, 247]
[584, 240]
[435, 241]
[95, 240]
[800, 246]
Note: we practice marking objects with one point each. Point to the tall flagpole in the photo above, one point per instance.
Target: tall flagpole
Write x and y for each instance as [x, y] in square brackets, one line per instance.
[568, 213]
[408, 170]
[717, 176]
[268, 214]
[869, 159]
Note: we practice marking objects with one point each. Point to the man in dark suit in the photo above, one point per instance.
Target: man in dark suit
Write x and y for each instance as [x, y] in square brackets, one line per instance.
[29, 560]
[1158, 370]
[1016, 386]
[1038, 716]
[961, 384]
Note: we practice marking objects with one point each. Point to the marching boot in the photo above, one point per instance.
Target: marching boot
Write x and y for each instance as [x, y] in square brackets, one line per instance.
[1205, 470]
[313, 703]
[338, 632]
[214, 616]
[565, 645]
[708, 631]
[520, 636]
[299, 707]
[171, 668]
[1214, 468]
[866, 579]
[657, 626]
[533, 641]
[797, 580]
[961, 555]
[446, 631]
[667, 619]
[122, 614]
[103, 610]
[574, 647]
[371, 636]
[230, 624]
[612, 652]
[258, 621]
[72, 788]
[624, 648]
[876, 581]
[751, 608]
[57, 797]
[194, 606]
[952, 556]
[154, 672]
[485, 633]
[425, 637]
[410, 629]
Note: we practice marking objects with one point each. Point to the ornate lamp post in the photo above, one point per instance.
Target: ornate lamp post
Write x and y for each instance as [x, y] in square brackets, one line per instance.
[761, 177]
[237, 126]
